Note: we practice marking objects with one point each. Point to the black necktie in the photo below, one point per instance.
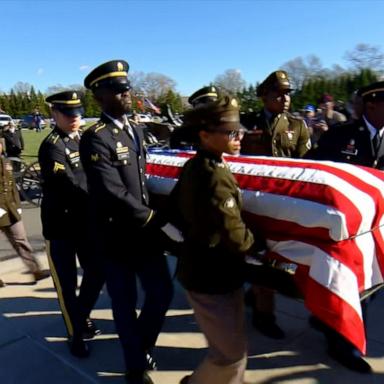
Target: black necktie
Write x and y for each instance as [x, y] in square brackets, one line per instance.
[131, 133]
[376, 142]
[77, 138]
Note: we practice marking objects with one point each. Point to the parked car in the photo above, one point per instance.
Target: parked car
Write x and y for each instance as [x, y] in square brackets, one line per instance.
[4, 120]
[27, 122]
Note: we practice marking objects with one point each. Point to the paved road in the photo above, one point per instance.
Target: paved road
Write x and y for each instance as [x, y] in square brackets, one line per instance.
[33, 348]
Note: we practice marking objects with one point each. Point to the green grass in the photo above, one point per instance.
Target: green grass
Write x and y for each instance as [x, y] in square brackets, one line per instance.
[32, 141]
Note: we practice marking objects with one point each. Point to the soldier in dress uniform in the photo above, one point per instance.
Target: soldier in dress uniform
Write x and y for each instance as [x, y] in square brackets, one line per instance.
[125, 228]
[203, 95]
[11, 223]
[206, 206]
[275, 133]
[180, 136]
[64, 212]
[359, 142]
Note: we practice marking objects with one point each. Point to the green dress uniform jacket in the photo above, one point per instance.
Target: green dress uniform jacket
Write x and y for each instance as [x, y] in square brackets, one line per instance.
[207, 208]
[9, 196]
[285, 136]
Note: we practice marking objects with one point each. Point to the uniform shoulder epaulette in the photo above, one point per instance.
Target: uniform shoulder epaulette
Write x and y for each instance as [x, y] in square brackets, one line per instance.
[216, 164]
[98, 126]
[53, 137]
[294, 117]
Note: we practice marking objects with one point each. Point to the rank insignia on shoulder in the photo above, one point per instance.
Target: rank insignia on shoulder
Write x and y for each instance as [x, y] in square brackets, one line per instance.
[99, 126]
[57, 167]
[54, 138]
[230, 203]
[95, 157]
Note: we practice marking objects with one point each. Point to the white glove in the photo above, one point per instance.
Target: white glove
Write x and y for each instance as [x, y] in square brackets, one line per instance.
[2, 212]
[172, 232]
[19, 211]
[253, 260]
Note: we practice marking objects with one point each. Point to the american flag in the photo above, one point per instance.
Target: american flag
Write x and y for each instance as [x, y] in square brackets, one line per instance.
[148, 103]
[326, 217]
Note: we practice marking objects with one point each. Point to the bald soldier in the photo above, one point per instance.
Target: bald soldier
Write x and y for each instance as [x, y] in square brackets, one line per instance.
[275, 132]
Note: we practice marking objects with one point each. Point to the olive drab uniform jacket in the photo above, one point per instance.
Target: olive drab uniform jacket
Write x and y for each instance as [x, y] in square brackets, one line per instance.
[206, 204]
[349, 143]
[284, 136]
[115, 163]
[64, 184]
[9, 196]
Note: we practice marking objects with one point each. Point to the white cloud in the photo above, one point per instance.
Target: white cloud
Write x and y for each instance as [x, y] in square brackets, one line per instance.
[84, 67]
[40, 71]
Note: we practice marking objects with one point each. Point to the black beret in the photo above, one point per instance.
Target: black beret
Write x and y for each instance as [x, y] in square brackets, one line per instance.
[204, 95]
[67, 102]
[276, 81]
[112, 74]
[372, 92]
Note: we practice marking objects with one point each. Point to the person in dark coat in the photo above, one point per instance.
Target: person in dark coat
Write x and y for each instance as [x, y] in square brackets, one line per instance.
[125, 227]
[14, 143]
[359, 142]
[206, 206]
[64, 211]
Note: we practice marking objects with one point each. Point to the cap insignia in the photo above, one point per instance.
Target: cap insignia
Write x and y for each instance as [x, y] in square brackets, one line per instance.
[282, 75]
[120, 66]
[74, 96]
[234, 103]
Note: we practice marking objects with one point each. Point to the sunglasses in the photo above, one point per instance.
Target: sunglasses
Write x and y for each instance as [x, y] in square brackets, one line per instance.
[232, 134]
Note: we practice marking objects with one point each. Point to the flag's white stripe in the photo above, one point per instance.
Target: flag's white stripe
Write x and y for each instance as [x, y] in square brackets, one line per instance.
[173, 161]
[366, 205]
[327, 271]
[362, 174]
[366, 245]
[303, 212]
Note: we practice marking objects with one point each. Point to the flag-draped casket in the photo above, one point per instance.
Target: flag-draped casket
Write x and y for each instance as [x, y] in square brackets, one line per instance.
[326, 217]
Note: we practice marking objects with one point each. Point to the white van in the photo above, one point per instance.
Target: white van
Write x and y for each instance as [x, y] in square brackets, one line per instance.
[4, 120]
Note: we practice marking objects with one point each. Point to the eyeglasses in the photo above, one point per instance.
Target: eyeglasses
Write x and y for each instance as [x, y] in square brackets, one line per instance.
[232, 134]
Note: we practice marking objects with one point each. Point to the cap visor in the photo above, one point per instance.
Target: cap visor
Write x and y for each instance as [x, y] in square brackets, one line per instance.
[72, 111]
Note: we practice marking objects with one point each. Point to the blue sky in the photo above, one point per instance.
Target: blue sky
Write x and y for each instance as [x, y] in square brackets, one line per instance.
[52, 42]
